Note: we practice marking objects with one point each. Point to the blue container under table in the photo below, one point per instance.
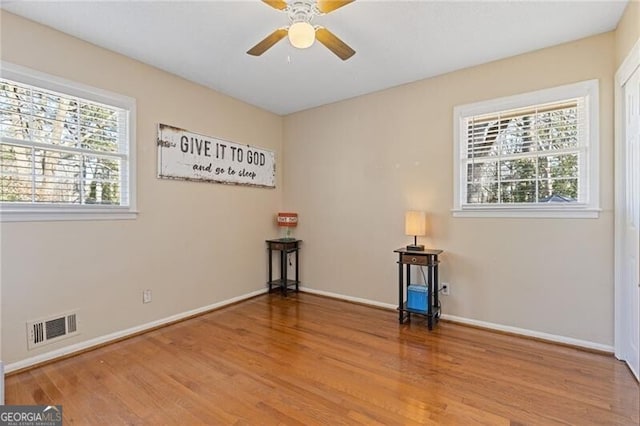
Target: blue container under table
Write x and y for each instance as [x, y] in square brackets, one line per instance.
[417, 297]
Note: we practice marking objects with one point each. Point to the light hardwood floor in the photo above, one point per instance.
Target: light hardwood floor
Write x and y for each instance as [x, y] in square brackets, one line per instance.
[307, 360]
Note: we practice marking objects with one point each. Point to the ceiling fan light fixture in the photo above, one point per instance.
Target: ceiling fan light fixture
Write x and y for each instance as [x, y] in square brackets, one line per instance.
[302, 34]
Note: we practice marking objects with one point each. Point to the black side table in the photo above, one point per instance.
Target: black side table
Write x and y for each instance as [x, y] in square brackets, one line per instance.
[285, 246]
[429, 259]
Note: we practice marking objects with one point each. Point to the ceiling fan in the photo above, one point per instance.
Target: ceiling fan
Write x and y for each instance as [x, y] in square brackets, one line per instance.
[300, 31]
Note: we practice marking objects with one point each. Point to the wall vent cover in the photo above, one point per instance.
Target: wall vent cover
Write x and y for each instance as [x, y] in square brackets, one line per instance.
[52, 329]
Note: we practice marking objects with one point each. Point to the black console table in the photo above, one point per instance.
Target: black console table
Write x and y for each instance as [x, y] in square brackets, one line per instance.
[285, 246]
[429, 260]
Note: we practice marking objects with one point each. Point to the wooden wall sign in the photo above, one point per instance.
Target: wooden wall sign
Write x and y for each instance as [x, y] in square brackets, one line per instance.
[190, 156]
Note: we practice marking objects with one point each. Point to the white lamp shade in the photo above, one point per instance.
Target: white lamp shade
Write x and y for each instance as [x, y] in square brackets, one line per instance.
[301, 35]
[415, 223]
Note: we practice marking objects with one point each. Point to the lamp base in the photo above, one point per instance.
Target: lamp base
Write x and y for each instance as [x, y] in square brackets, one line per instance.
[414, 247]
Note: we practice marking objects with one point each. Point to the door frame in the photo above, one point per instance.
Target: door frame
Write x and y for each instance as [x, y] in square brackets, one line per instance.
[629, 65]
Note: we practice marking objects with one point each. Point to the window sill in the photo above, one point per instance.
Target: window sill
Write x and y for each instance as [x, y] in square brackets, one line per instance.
[49, 214]
[528, 212]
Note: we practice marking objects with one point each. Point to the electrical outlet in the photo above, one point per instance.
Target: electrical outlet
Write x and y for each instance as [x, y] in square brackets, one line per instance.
[445, 289]
[146, 296]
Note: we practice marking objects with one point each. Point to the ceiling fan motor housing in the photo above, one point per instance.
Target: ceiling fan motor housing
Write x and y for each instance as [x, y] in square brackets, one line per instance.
[302, 11]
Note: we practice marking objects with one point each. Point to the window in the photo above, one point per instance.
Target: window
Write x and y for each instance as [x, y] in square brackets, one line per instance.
[66, 150]
[530, 155]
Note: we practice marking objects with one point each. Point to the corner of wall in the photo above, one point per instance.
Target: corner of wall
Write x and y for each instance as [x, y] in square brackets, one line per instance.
[627, 32]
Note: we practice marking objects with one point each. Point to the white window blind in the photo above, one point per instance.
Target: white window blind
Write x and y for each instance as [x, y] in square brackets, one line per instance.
[534, 154]
[60, 150]
[525, 155]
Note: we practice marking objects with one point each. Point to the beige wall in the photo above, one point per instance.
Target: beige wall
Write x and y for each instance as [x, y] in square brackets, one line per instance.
[628, 31]
[354, 167]
[193, 244]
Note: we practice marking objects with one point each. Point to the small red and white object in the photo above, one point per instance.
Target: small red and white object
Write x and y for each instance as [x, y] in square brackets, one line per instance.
[286, 221]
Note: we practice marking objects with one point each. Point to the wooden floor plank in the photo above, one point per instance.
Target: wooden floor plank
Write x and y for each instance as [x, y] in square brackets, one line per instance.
[306, 359]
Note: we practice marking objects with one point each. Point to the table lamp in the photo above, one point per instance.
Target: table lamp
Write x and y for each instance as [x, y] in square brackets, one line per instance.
[415, 223]
[286, 221]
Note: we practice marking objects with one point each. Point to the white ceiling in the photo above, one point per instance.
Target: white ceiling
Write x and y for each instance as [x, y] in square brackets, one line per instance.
[396, 41]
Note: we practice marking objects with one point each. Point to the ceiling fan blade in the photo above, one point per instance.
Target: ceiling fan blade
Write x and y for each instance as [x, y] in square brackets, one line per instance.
[267, 42]
[276, 4]
[334, 44]
[326, 6]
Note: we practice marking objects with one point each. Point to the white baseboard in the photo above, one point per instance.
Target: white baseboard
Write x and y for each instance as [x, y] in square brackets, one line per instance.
[483, 324]
[68, 350]
[634, 372]
[530, 333]
[349, 298]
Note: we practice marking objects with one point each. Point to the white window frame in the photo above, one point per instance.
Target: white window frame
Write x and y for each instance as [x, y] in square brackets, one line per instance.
[24, 212]
[589, 167]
